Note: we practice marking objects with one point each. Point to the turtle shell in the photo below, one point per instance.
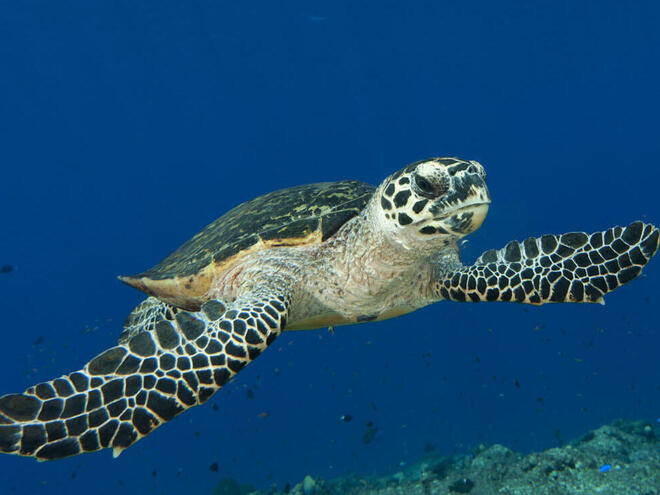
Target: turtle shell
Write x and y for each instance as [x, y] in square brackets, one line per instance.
[298, 216]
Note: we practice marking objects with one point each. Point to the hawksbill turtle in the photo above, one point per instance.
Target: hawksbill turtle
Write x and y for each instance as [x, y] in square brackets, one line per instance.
[301, 258]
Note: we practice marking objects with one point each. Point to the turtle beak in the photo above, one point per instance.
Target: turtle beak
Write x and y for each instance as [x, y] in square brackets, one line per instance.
[466, 219]
[479, 215]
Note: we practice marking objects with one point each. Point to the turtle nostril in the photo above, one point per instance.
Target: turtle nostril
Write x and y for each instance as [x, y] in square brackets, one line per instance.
[473, 169]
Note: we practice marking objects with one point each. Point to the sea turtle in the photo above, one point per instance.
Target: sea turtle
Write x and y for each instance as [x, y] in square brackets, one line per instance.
[306, 257]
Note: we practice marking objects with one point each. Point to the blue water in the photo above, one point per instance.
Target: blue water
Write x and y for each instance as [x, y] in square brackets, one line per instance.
[125, 127]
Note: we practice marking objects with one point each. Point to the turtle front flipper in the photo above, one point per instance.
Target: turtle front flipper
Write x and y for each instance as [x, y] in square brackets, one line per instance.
[168, 361]
[573, 267]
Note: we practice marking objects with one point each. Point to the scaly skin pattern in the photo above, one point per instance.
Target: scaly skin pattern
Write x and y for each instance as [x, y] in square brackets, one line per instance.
[168, 360]
[398, 254]
[573, 267]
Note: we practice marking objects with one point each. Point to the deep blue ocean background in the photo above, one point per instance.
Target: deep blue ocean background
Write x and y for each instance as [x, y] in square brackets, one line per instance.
[125, 127]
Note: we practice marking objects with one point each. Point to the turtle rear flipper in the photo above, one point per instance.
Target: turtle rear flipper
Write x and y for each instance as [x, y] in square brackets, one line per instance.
[167, 361]
[573, 267]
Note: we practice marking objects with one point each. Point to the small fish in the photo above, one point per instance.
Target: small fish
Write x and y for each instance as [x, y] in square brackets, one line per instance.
[263, 414]
[605, 468]
[6, 269]
[214, 467]
[369, 435]
[345, 418]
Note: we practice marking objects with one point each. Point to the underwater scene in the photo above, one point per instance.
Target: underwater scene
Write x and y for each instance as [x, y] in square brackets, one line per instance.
[418, 355]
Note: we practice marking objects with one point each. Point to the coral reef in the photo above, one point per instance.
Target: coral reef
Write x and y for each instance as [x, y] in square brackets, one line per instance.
[621, 458]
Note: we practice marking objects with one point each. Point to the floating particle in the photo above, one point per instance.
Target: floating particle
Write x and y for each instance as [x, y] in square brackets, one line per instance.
[250, 393]
[369, 435]
[214, 467]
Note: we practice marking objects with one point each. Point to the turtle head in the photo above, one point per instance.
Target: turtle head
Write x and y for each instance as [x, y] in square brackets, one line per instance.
[436, 200]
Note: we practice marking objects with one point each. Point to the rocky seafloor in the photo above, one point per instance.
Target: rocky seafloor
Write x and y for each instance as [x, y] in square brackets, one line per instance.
[621, 458]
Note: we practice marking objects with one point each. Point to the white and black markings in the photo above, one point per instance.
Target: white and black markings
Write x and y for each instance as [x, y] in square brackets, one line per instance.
[423, 193]
[573, 267]
[401, 198]
[167, 361]
[172, 357]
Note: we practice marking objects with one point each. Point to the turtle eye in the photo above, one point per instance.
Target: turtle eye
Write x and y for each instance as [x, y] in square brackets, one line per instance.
[428, 189]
